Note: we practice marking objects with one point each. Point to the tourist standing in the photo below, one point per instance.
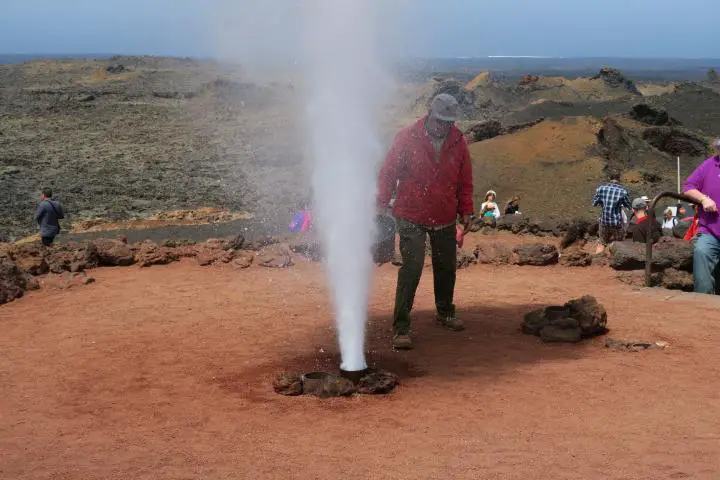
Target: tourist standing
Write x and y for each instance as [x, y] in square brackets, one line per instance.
[703, 186]
[429, 170]
[640, 227]
[611, 197]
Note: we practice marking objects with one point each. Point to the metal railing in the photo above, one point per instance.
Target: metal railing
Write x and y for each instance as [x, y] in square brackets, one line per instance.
[649, 242]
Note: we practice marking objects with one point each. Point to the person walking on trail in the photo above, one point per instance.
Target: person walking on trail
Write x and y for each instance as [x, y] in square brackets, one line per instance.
[703, 186]
[612, 197]
[47, 215]
[428, 169]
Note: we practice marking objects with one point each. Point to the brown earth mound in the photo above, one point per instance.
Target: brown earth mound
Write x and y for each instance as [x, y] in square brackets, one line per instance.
[546, 164]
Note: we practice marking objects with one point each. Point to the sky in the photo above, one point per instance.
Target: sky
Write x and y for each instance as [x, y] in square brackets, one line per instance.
[409, 28]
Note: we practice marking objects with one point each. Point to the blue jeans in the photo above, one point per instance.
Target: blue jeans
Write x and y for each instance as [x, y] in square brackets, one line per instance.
[706, 257]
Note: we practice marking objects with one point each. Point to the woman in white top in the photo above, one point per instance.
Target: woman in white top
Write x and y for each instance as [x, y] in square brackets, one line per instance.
[490, 208]
[669, 221]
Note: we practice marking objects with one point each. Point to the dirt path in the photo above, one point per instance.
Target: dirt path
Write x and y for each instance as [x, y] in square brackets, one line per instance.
[164, 373]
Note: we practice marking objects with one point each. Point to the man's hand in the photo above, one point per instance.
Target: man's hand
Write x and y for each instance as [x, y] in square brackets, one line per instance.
[708, 204]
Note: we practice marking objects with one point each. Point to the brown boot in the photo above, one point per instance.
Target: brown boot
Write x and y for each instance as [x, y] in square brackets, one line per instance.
[451, 322]
[402, 342]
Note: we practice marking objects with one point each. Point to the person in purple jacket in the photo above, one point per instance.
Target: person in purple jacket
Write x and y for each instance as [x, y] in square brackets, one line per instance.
[703, 186]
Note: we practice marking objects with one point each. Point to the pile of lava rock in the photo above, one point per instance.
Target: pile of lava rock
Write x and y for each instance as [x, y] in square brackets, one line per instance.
[325, 385]
[577, 319]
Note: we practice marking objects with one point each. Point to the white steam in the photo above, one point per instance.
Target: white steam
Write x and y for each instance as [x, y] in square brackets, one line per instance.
[333, 44]
[345, 86]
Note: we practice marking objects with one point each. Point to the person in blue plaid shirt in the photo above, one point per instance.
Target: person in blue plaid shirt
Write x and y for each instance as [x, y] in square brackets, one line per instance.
[612, 197]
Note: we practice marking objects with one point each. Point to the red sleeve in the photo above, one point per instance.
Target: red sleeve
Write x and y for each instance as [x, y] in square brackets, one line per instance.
[465, 187]
[390, 171]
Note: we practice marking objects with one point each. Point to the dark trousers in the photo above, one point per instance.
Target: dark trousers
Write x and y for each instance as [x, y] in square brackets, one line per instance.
[444, 262]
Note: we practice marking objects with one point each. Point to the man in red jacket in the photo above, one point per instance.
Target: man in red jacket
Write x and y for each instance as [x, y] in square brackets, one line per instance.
[428, 169]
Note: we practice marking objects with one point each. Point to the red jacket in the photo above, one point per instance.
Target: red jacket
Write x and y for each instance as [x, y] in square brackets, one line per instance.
[429, 192]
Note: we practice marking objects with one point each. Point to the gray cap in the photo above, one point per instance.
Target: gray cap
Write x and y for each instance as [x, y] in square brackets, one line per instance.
[639, 203]
[444, 107]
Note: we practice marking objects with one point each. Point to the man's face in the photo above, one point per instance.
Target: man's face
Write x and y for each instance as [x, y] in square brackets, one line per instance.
[42, 197]
[717, 149]
[437, 127]
[681, 211]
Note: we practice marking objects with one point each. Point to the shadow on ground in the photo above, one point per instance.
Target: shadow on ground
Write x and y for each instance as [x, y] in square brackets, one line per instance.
[491, 346]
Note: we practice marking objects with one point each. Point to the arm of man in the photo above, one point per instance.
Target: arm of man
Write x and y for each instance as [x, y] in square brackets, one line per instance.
[597, 199]
[625, 201]
[465, 186]
[39, 212]
[390, 171]
[693, 189]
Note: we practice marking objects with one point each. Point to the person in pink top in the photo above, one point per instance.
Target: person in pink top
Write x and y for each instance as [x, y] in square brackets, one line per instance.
[703, 186]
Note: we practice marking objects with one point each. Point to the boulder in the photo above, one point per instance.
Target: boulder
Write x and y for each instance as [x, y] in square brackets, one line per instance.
[170, 243]
[636, 278]
[60, 261]
[13, 281]
[537, 254]
[590, 315]
[328, 385]
[548, 226]
[674, 279]
[244, 260]
[288, 384]
[575, 257]
[377, 382]
[208, 256]
[575, 232]
[577, 319]
[29, 257]
[32, 264]
[113, 253]
[554, 334]
[668, 252]
[275, 256]
[149, 253]
[465, 258]
[513, 223]
[260, 243]
[233, 243]
[309, 249]
[492, 253]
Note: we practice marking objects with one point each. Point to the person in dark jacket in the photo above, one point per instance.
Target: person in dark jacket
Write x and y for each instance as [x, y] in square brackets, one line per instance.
[47, 215]
[640, 226]
[428, 170]
[513, 206]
